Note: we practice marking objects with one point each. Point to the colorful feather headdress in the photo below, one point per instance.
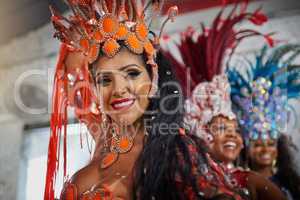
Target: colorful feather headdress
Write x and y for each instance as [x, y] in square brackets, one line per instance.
[202, 70]
[203, 54]
[96, 27]
[260, 94]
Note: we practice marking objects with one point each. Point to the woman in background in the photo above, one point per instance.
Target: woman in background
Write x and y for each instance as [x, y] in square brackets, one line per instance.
[260, 101]
[208, 108]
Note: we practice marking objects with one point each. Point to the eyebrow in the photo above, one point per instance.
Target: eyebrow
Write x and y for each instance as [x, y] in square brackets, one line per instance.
[120, 69]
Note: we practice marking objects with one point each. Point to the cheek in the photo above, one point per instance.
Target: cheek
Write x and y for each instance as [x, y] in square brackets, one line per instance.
[254, 152]
[105, 93]
[217, 144]
[142, 85]
[240, 141]
[274, 152]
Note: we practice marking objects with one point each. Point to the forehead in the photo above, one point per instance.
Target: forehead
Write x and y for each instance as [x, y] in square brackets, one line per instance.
[261, 141]
[121, 59]
[223, 120]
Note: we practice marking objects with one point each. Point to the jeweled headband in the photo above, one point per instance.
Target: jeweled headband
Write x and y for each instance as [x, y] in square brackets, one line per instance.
[260, 93]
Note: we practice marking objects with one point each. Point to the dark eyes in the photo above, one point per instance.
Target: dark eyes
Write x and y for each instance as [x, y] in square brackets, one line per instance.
[271, 144]
[104, 80]
[257, 145]
[218, 128]
[133, 73]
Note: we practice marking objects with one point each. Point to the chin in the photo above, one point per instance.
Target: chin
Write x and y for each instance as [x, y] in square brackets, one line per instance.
[265, 163]
[125, 119]
[230, 158]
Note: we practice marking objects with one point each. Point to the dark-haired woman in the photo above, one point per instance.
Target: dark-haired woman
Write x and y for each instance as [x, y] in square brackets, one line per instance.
[208, 108]
[144, 152]
[274, 160]
[261, 103]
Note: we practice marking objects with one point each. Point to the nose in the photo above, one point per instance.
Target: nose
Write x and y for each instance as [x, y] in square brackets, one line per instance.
[264, 147]
[120, 86]
[231, 133]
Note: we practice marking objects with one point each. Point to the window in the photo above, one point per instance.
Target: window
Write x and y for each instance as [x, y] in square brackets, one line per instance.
[34, 159]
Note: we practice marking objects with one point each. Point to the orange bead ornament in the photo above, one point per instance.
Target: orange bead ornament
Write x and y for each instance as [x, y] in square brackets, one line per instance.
[109, 25]
[141, 31]
[133, 43]
[109, 159]
[97, 36]
[111, 47]
[122, 32]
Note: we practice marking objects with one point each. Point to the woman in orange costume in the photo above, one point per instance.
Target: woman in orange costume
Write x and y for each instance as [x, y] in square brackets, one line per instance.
[126, 87]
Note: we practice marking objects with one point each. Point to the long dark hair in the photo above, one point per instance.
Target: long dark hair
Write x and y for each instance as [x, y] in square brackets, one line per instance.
[158, 163]
[166, 154]
[286, 174]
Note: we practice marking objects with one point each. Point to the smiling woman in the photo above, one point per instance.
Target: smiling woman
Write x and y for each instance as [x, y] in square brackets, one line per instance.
[208, 107]
[227, 141]
[131, 97]
[264, 112]
[124, 84]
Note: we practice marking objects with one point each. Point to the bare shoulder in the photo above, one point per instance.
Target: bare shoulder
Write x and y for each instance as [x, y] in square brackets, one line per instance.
[85, 178]
[265, 189]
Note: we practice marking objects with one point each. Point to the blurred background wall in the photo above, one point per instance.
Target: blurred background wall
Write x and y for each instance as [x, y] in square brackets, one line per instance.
[28, 56]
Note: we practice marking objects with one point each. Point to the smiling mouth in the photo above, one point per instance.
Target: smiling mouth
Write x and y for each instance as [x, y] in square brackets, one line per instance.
[230, 145]
[122, 104]
[266, 156]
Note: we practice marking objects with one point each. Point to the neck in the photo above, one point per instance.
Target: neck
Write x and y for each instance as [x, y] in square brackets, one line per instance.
[132, 129]
[266, 171]
[229, 165]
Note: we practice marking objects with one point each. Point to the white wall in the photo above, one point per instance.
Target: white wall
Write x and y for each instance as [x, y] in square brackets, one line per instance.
[10, 147]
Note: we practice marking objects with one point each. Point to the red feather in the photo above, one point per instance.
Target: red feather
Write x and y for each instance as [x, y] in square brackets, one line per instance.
[204, 57]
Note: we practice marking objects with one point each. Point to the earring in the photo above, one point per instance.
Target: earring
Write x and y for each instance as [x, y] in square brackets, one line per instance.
[154, 84]
[274, 166]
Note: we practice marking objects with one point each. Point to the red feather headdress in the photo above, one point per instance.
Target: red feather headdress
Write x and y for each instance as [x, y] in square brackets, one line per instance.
[203, 54]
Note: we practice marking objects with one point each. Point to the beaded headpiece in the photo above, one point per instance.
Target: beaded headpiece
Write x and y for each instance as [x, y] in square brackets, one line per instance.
[100, 25]
[95, 28]
[260, 93]
[202, 70]
[208, 99]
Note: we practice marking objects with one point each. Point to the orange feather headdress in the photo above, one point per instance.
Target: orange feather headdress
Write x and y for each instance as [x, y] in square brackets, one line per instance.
[96, 27]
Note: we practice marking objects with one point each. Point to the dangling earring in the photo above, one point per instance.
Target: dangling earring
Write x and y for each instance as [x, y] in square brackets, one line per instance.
[274, 166]
[104, 124]
[154, 83]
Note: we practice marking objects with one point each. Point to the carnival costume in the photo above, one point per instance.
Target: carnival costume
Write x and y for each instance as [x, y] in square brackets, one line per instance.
[202, 72]
[100, 27]
[260, 94]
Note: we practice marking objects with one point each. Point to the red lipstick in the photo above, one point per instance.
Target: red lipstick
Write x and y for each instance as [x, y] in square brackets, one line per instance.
[122, 104]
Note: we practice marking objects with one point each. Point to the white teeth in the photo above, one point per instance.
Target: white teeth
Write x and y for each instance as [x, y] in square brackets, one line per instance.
[123, 104]
[266, 156]
[231, 145]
